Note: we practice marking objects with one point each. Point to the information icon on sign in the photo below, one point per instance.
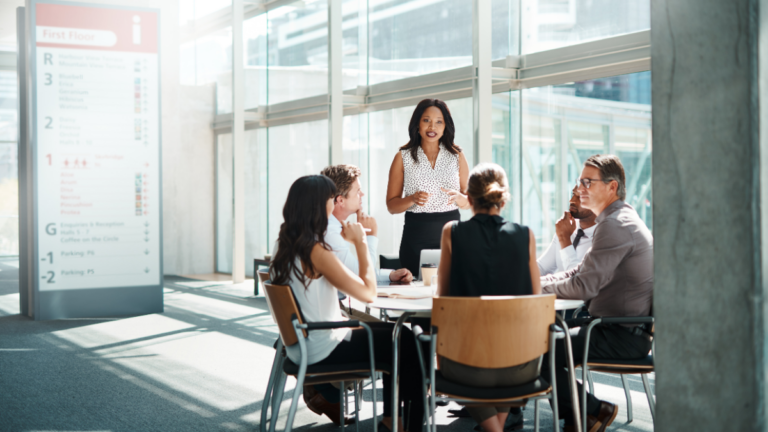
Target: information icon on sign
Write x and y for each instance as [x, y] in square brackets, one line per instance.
[136, 30]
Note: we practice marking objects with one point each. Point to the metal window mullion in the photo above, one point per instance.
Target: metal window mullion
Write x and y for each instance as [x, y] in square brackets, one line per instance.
[482, 93]
[335, 91]
[238, 145]
[563, 154]
[611, 137]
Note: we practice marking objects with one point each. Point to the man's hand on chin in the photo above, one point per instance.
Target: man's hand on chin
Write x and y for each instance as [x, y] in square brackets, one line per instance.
[402, 275]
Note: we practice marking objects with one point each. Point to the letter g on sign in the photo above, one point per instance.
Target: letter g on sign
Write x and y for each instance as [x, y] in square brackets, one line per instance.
[50, 229]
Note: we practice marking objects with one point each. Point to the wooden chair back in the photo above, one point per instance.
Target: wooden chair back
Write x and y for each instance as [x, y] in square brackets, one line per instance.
[282, 305]
[493, 331]
[263, 276]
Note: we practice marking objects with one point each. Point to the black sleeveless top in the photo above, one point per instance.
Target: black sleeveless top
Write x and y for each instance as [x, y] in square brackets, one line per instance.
[489, 257]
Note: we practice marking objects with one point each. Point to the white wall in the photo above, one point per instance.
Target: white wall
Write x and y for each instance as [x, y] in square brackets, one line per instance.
[188, 159]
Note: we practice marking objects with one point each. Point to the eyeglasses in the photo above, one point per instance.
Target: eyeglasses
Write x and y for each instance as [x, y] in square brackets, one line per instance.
[587, 182]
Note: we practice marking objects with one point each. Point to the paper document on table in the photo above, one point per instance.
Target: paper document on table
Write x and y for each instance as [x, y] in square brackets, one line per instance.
[405, 293]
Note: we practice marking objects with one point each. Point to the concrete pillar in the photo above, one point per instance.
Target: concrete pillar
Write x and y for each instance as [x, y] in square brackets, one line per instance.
[708, 182]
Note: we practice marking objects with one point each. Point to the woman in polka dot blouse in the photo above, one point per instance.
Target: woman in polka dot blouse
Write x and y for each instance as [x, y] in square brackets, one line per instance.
[427, 181]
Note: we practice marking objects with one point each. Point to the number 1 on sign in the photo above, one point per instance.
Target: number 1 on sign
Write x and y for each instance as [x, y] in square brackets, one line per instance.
[49, 158]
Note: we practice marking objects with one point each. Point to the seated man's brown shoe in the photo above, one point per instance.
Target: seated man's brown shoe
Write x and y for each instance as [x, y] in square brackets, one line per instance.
[608, 412]
[605, 417]
[593, 425]
[318, 405]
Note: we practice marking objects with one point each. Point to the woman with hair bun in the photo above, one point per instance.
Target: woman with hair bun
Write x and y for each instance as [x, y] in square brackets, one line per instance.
[483, 256]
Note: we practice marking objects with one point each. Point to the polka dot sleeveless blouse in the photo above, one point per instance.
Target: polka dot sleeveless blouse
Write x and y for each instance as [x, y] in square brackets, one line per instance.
[421, 177]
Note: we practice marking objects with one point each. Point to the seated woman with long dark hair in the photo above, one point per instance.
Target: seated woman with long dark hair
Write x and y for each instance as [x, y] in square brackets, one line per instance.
[483, 256]
[306, 263]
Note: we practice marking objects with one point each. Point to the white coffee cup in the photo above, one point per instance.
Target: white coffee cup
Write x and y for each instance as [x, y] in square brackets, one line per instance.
[427, 273]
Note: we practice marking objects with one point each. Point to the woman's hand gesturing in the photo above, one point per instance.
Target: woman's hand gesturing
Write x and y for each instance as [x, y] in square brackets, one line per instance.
[457, 198]
[420, 198]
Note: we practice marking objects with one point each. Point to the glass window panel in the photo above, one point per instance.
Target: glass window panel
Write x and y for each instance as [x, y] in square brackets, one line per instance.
[298, 51]
[564, 125]
[506, 146]
[388, 132]
[354, 43]
[416, 37]
[549, 24]
[505, 28]
[255, 199]
[9, 165]
[9, 200]
[256, 186]
[294, 150]
[255, 59]
[191, 10]
[9, 120]
[224, 203]
[634, 147]
[355, 151]
[583, 140]
[541, 186]
[209, 60]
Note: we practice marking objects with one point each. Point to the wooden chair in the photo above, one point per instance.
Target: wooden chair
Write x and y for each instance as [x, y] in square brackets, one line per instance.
[293, 330]
[491, 332]
[641, 367]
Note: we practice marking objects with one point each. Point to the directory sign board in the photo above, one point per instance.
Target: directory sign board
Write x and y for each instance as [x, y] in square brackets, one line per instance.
[95, 139]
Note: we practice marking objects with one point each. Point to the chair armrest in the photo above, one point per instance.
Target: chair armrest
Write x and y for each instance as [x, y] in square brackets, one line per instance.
[418, 333]
[578, 322]
[326, 325]
[427, 369]
[556, 331]
[419, 337]
[610, 320]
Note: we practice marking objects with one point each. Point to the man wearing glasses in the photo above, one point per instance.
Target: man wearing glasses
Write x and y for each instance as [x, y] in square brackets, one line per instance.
[569, 245]
[615, 277]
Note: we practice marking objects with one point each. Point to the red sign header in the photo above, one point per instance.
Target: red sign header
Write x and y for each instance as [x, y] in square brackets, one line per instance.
[95, 28]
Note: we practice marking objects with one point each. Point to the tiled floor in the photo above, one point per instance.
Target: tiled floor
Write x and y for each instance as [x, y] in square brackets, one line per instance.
[203, 365]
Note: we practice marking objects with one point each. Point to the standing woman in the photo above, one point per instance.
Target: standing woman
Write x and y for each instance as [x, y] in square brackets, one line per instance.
[427, 181]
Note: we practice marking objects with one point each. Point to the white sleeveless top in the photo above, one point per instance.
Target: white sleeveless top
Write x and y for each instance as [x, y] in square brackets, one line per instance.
[318, 302]
[421, 177]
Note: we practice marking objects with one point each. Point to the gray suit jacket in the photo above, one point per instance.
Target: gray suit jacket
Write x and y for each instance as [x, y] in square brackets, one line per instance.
[616, 275]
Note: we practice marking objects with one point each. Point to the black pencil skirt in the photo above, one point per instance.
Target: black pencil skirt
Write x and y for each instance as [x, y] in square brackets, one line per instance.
[422, 231]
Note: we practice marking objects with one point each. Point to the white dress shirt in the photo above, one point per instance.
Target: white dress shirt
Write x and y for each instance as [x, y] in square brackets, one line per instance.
[343, 250]
[556, 259]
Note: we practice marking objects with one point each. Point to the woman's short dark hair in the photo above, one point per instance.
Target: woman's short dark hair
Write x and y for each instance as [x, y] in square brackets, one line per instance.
[413, 128]
[305, 222]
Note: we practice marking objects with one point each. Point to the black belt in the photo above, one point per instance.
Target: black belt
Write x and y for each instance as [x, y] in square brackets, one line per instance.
[639, 330]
